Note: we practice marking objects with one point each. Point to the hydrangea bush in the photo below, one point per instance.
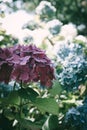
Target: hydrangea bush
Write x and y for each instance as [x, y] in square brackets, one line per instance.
[20, 67]
[38, 93]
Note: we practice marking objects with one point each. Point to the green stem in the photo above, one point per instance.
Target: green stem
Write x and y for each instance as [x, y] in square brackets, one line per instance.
[51, 42]
[20, 110]
[14, 86]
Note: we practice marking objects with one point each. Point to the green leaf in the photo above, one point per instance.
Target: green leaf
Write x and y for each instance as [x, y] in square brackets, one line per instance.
[51, 123]
[25, 123]
[56, 88]
[13, 98]
[47, 105]
[28, 93]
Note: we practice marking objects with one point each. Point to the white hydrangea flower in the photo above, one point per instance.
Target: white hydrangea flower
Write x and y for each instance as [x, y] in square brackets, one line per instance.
[39, 35]
[24, 34]
[54, 26]
[45, 9]
[68, 31]
[13, 22]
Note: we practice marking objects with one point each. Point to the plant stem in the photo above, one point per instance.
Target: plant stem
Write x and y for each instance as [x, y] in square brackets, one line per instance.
[14, 86]
[20, 110]
[51, 42]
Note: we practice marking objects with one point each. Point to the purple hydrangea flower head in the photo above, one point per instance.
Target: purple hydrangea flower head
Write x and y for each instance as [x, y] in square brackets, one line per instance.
[26, 64]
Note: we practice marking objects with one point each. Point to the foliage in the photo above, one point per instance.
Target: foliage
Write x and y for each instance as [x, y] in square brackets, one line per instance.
[38, 92]
[6, 39]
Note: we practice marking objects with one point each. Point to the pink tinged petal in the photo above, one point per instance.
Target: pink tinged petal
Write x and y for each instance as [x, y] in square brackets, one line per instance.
[2, 62]
[40, 60]
[24, 60]
[15, 59]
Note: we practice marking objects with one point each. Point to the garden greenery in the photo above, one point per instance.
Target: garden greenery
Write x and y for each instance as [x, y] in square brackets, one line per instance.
[43, 69]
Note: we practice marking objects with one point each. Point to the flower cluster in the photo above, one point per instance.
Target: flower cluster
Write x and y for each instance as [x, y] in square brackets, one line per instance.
[45, 10]
[73, 65]
[76, 118]
[26, 64]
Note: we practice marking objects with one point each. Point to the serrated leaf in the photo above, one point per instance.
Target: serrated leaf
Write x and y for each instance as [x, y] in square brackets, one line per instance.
[47, 105]
[56, 88]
